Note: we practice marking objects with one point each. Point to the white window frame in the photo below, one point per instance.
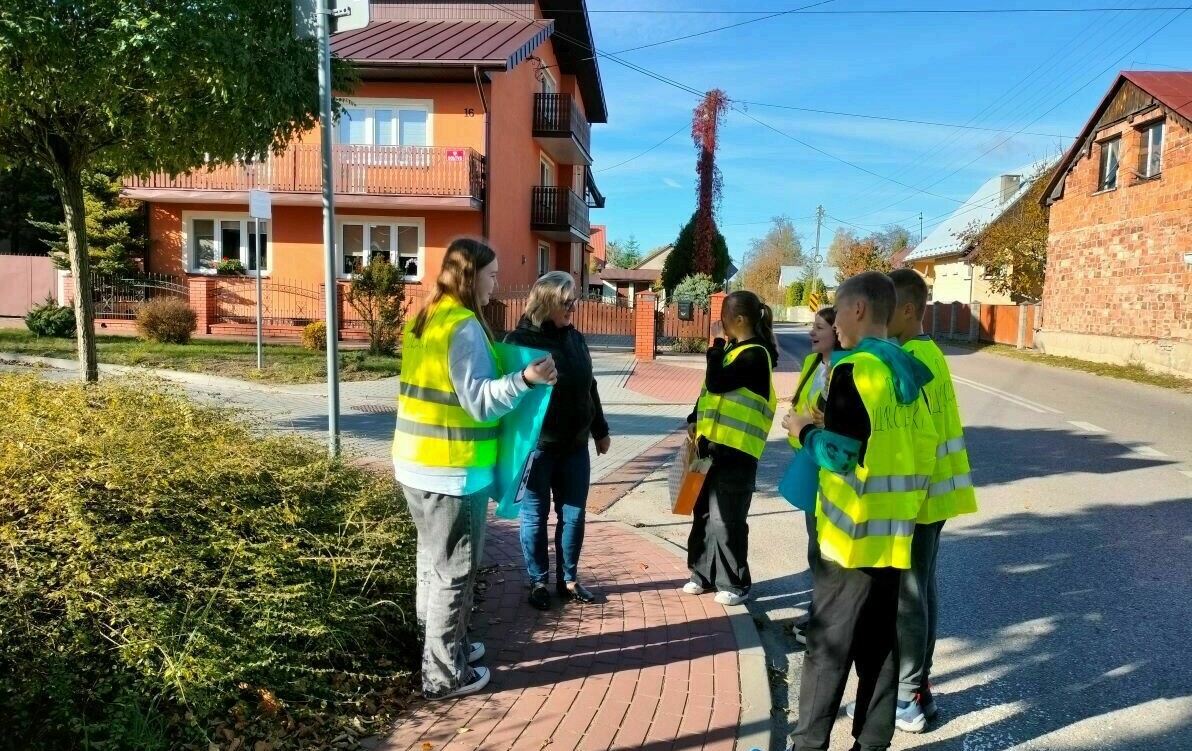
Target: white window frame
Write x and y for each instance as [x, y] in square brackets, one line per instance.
[544, 249]
[552, 170]
[546, 75]
[1102, 174]
[189, 262]
[1146, 146]
[392, 221]
[371, 105]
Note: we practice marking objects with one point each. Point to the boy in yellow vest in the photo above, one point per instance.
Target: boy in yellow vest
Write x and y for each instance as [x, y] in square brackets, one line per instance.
[950, 494]
[876, 453]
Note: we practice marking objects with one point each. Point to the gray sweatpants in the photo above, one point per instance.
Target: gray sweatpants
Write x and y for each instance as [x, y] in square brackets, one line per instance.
[450, 543]
[917, 613]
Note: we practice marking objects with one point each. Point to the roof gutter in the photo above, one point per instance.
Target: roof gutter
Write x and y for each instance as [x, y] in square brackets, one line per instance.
[488, 123]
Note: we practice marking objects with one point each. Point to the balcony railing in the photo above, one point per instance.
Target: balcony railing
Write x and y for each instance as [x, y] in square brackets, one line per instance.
[432, 171]
[559, 214]
[562, 129]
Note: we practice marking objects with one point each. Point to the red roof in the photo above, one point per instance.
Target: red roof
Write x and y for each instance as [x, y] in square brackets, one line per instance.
[501, 44]
[630, 275]
[1172, 88]
[597, 240]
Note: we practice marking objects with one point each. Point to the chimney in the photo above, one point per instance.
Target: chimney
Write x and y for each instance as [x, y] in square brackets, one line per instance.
[1010, 185]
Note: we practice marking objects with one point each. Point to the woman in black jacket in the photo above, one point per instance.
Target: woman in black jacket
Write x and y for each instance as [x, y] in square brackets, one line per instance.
[561, 467]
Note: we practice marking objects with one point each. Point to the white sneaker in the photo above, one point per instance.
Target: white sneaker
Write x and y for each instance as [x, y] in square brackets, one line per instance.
[730, 598]
[691, 588]
[475, 651]
[480, 678]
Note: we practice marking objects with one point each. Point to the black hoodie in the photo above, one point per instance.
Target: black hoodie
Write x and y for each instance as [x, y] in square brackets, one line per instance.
[750, 370]
[575, 411]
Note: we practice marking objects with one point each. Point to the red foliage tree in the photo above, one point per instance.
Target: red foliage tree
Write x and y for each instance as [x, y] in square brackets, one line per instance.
[709, 116]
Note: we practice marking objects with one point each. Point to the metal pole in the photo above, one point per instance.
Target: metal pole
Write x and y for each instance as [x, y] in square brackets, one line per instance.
[257, 265]
[332, 292]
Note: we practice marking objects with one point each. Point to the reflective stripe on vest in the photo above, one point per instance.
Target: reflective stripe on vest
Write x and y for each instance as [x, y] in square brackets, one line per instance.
[866, 518]
[433, 429]
[739, 419]
[951, 491]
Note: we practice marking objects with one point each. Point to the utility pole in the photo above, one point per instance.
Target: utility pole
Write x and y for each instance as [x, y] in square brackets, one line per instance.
[819, 224]
[920, 227]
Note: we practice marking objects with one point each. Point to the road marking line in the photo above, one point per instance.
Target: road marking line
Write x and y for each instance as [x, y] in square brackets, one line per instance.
[1019, 400]
[1147, 451]
[1088, 427]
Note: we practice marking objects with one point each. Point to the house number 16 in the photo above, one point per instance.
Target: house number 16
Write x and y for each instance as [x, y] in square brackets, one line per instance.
[469, 112]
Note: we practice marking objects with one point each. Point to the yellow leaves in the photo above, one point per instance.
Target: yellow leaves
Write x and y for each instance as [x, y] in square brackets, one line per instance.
[427, 746]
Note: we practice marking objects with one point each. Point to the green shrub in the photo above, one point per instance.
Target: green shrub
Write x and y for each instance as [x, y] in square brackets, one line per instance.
[230, 267]
[691, 344]
[168, 320]
[314, 335]
[51, 319]
[698, 288]
[377, 294]
[170, 577]
[794, 294]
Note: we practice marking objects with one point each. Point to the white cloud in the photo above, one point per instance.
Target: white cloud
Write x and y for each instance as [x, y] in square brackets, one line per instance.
[668, 182]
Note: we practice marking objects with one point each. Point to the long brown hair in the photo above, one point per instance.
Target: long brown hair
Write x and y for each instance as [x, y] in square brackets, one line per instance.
[760, 317]
[465, 257]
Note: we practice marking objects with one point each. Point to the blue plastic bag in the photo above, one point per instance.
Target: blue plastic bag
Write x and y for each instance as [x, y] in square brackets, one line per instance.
[800, 481]
[519, 431]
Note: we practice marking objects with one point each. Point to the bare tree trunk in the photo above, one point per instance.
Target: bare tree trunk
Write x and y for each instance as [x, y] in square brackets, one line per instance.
[69, 178]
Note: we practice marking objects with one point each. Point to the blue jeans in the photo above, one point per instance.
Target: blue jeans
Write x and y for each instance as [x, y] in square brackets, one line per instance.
[564, 476]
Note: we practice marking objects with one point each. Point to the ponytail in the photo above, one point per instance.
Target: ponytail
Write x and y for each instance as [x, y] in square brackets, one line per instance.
[759, 315]
[765, 326]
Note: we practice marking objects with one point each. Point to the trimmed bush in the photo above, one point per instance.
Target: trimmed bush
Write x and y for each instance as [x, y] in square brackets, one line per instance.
[170, 577]
[691, 345]
[230, 267]
[314, 335]
[168, 320]
[51, 319]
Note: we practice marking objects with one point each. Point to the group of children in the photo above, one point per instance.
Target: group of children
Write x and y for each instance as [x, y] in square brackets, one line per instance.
[876, 412]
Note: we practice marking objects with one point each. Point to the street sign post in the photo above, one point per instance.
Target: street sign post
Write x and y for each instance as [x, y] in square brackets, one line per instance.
[260, 208]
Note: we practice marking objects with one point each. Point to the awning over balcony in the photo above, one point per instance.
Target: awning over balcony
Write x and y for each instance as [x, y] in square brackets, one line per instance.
[488, 44]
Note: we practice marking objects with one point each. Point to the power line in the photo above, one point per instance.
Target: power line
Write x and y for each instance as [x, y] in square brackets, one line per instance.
[647, 151]
[873, 11]
[894, 119]
[723, 28]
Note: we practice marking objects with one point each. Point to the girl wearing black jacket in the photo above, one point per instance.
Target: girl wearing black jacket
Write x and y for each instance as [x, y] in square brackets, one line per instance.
[561, 468]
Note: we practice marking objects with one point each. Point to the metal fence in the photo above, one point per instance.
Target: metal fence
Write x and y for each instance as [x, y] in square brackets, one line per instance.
[121, 296]
[283, 303]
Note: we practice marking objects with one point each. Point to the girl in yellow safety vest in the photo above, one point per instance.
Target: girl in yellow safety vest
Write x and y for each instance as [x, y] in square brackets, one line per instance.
[730, 424]
[444, 450]
[809, 400]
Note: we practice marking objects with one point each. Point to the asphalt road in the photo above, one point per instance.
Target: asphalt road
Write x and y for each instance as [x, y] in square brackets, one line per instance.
[1065, 602]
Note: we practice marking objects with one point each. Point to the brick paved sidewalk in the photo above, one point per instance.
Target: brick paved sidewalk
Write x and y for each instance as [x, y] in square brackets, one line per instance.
[637, 670]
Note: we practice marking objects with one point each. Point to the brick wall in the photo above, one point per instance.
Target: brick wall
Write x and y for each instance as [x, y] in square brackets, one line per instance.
[1115, 263]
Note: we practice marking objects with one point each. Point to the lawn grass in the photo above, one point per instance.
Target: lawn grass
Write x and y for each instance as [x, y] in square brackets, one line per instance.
[284, 363]
[1133, 372]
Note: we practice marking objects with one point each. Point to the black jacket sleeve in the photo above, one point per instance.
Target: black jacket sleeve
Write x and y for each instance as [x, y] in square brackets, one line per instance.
[844, 412]
[750, 370]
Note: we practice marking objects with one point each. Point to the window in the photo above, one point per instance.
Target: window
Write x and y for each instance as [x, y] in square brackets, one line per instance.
[547, 83]
[391, 124]
[1150, 150]
[211, 239]
[1110, 151]
[546, 173]
[397, 241]
[543, 258]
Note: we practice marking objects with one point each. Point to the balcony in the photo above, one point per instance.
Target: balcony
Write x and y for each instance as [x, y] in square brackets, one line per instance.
[419, 177]
[559, 214]
[561, 130]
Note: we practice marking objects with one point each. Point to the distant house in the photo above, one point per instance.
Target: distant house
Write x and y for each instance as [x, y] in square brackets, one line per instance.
[944, 258]
[656, 258]
[1119, 250]
[623, 285]
[791, 274]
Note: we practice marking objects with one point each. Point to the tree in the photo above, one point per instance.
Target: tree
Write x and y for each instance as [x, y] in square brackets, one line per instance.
[698, 288]
[794, 293]
[767, 255]
[146, 87]
[377, 295]
[841, 241]
[862, 255]
[27, 200]
[1013, 249]
[624, 255]
[705, 126]
[680, 263]
[115, 227]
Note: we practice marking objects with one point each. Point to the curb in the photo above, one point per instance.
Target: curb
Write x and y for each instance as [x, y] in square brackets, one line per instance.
[755, 729]
[633, 472]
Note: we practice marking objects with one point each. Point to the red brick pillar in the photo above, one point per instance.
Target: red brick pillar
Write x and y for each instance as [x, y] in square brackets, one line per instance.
[715, 308]
[201, 290]
[645, 324]
[67, 291]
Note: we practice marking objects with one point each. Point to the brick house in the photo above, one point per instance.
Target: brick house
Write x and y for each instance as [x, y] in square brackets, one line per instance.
[1119, 251]
[470, 118]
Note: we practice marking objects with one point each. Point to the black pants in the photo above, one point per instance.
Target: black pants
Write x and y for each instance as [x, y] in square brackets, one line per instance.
[718, 546]
[854, 621]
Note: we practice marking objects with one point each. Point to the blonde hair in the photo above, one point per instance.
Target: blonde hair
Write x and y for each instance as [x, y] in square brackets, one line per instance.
[547, 294]
[465, 257]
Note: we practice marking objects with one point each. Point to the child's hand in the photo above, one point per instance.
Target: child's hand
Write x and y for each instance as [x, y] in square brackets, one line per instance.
[817, 416]
[717, 330]
[795, 422]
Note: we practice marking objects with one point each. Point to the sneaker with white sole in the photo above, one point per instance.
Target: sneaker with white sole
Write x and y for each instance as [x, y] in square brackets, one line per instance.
[480, 679]
[909, 716]
[691, 588]
[475, 652]
[730, 598]
[800, 634]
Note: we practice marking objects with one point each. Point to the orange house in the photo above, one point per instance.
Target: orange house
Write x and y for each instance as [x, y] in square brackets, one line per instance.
[471, 118]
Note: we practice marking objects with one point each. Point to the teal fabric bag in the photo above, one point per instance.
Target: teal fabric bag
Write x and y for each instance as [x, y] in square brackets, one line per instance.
[800, 481]
[519, 431]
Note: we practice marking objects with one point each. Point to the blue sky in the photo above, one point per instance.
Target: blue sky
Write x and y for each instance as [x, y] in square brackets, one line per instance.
[995, 71]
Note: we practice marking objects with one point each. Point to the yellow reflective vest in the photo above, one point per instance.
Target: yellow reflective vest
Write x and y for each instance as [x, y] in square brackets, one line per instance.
[739, 419]
[951, 490]
[806, 395]
[866, 518]
[432, 428]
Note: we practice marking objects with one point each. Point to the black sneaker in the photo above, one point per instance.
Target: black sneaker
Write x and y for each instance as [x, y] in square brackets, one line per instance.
[480, 679]
[576, 593]
[539, 596]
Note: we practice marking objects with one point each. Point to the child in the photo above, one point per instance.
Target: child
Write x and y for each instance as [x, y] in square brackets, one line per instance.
[730, 424]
